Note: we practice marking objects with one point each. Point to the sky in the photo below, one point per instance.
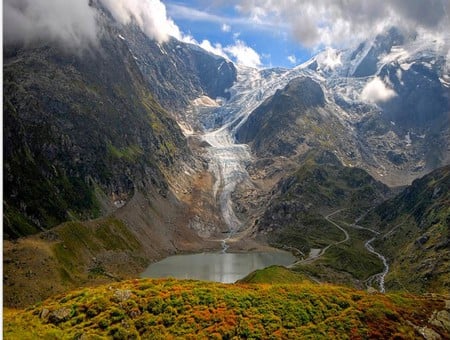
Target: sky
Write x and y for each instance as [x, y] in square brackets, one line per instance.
[268, 43]
[257, 33]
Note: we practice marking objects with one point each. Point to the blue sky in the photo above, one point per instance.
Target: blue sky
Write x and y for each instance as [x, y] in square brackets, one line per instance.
[226, 26]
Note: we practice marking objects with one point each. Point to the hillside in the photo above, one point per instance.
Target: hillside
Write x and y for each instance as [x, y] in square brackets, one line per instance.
[82, 135]
[310, 212]
[85, 131]
[415, 234]
[99, 177]
[163, 309]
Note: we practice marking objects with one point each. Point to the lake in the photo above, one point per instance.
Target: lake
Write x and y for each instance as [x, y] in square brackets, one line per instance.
[218, 267]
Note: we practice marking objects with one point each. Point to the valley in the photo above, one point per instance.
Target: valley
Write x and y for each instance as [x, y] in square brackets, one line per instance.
[140, 158]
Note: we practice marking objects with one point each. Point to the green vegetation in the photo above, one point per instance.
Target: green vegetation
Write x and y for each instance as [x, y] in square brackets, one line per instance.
[129, 153]
[415, 234]
[345, 263]
[166, 309]
[71, 255]
[297, 218]
[274, 274]
[80, 241]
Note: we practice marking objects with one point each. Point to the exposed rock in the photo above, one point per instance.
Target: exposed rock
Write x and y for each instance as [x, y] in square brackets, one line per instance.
[441, 319]
[59, 315]
[422, 240]
[429, 333]
[44, 313]
[122, 295]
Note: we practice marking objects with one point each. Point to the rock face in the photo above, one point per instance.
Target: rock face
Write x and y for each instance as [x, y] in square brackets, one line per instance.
[76, 126]
[275, 127]
[176, 72]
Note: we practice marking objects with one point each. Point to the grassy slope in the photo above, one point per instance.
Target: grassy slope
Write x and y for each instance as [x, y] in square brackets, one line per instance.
[415, 234]
[296, 217]
[71, 255]
[274, 274]
[165, 309]
[347, 263]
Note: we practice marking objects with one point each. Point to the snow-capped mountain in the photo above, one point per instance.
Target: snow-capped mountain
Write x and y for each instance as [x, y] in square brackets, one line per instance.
[389, 96]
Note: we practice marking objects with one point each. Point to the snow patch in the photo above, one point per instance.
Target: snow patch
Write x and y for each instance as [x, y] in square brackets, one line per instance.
[406, 66]
[408, 140]
[121, 37]
[397, 54]
[399, 75]
[161, 49]
[445, 82]
[205, 101]
[185, 128]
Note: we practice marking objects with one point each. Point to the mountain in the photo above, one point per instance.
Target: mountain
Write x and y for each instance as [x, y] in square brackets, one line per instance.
[383, 106]
[292, 121]
[132, 150]
[415, 234]
[99, 177]
[170, 308]
[85, 132]
[81, 134]
[177, 73]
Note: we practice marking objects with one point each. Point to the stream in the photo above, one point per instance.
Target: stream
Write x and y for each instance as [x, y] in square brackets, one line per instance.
[380, 276]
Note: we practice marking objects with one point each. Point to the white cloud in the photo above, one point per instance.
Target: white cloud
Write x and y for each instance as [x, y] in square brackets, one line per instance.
[329, 59]
[376, 91]
[226, 28]
[70, 22]
[184, 12]
[316, 23]
[292, 59]
[217, 49]
[150, 15]
[74, 22]
[244, 54]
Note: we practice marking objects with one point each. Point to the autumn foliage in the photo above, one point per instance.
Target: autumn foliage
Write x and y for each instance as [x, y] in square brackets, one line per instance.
[168, 309]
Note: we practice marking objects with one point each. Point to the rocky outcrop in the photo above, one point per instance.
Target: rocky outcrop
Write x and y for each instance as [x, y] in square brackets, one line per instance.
[177, 72]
